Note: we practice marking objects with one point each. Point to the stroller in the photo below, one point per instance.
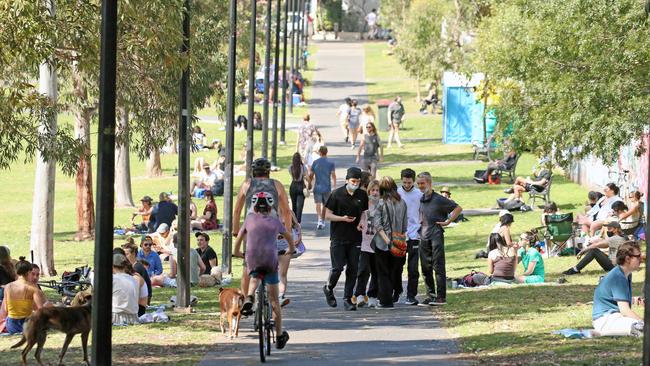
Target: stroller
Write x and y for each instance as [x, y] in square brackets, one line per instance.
[71, 283]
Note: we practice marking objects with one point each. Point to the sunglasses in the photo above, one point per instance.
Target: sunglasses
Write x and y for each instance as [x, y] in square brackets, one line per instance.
[146, 244]
[635, 255]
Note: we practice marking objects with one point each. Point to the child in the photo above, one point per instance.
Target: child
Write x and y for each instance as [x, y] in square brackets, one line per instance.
[261, 230]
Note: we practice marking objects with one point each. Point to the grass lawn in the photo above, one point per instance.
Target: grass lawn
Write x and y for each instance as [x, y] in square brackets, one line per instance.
[508, 324]
[191, 335]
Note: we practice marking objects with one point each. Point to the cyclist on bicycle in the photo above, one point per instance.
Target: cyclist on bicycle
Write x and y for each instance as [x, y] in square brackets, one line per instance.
[261, 228]
[260, 182]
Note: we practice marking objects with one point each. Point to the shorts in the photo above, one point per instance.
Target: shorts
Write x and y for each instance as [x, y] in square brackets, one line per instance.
[353, 126]
[169, 282]
[321, 197]
[369, 164]
[272, 278]
[534, 279]
[282, 245]
[14, 326]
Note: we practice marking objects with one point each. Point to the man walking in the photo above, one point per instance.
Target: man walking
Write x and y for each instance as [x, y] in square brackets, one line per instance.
[323, 174]
[344, 208]
[436, 212]
[411, 197]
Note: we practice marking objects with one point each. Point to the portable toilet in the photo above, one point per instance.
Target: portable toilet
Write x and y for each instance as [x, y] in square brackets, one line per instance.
[462, 116]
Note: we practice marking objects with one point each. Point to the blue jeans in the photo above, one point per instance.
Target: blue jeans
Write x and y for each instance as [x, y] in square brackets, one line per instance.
[15, 326]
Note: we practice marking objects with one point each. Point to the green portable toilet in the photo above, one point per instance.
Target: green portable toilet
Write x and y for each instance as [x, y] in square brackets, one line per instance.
[382, 111]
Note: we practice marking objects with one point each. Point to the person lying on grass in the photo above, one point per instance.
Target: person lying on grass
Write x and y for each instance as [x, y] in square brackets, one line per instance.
[612, 314]
[531, 259]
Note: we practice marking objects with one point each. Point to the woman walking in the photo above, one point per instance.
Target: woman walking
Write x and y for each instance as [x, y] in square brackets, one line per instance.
[390, 220]
[367, 116]
[395, 117]
[296, 190]
[353, 123]
[373, 153]
[367, 264]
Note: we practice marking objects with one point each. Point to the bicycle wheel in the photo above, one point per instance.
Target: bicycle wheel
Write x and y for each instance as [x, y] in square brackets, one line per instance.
[260, 319]
[269, 326]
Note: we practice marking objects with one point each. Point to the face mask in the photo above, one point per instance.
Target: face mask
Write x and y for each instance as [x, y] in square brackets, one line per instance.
[610, 233]
[352, 187]
[373, 198]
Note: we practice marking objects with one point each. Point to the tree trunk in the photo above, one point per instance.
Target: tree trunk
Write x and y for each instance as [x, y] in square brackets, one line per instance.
[417, 89]
[123, 196]
[42, 231]
[154, 168]
[84, 180]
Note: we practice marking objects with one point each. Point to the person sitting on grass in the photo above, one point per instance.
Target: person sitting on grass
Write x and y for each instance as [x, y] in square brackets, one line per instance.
[204, 182]
[145, 211]
[207, 221]
[197, 267]
[631, 218]
[538, 183]
[261, 230]
[596, 217]
[502, 259]
[22, 297]
[530, 257]
[612, 314]
[595, 248]
[143, 289]
[131, 253]
[549, 209]
[126, 291]
[155, 265]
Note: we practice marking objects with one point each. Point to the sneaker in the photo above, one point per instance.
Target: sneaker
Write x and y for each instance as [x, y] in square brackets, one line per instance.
[372, 302]
[509, 190]
[348, 305]
[571, 271]
[282, 340]
[426, 302]
[352, 147]
[329, 296]
[320, 225]
[395, 298]
[439, 301]
[382, 306]
[247, 308]
[362, 301]
[411, 301]
[284, 302]
[637, 329]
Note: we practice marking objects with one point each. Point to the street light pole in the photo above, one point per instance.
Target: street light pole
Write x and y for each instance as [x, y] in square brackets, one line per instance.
[276, 69]
[284, 73]
[103, 279]
[646, 287]
[267, 84]
[251, 90]
[300, 34]
[226, 245]
[185, 111]
[294, 10]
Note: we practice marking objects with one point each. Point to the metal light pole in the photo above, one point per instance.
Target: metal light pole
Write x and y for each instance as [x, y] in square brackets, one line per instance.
[300, 34]
[103, 280]
[226, 245]
[294, 10]
[305, 32]
[276, 69]
[284, 73]
[251, 90]
[267, 77]
[646, 287]
[185, 111]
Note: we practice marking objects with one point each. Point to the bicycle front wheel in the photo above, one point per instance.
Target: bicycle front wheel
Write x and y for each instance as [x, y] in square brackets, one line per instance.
[268, 326]
[259, 316]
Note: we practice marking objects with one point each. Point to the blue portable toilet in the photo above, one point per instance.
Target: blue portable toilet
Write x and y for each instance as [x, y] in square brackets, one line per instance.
[462, 116]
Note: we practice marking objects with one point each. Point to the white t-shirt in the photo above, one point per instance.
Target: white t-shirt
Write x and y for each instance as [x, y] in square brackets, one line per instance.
[412, 200]
[371, 18]
[125, 294]
[344, 110]
[606, 209]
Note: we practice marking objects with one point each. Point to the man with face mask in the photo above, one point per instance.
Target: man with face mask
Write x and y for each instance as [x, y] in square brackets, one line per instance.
[595, 249]
[436, 212]
[411, 197]
[343, 209]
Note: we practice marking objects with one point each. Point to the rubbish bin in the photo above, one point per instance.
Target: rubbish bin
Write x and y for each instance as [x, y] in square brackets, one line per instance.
[382, 111]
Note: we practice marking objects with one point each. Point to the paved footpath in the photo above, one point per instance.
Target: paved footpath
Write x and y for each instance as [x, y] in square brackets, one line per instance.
[320, 335]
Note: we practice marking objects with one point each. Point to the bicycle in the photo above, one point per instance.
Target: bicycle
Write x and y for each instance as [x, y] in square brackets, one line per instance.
[622, 179]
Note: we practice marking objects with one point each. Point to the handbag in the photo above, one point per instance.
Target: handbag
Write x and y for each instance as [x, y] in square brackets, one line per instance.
[397, 245]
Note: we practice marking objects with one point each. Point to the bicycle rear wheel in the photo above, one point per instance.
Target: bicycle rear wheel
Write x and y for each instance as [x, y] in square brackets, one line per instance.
[261, 326]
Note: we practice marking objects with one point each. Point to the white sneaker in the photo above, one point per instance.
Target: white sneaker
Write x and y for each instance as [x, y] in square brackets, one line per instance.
[320, 225]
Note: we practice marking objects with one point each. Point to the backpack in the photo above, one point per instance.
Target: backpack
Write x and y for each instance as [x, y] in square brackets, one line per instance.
[397, 245]
[512, 205]
[474, 279]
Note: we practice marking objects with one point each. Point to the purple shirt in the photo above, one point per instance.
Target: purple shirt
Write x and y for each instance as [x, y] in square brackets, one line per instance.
[261, 235]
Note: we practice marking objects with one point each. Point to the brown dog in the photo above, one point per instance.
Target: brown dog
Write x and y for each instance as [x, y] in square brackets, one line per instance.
[231, 301]
[69, 320]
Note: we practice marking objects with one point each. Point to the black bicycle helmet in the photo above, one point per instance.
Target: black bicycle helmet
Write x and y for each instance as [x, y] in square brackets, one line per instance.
[262, 202]
[261, 166]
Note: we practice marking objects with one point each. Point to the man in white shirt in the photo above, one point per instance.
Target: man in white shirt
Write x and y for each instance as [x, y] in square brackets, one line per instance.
[371, 19]
[411, 197]
[342, 114]
[206, 179]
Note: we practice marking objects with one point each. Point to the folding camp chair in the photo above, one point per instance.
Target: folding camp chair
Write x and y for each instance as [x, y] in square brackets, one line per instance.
[559, 230]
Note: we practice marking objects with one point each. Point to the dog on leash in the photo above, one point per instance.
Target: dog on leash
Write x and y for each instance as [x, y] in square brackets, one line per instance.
[231, 301]
[72, 320]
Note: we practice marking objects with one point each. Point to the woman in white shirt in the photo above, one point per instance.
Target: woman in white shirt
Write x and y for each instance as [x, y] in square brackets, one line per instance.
[367, 116]
[126, 293]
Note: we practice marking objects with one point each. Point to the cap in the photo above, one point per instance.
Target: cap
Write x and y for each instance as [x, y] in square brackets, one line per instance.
[146, 199]
[204, 235]
[163, 228]
[353, 172]
[613, 224]
[118, 259]
[504, 212]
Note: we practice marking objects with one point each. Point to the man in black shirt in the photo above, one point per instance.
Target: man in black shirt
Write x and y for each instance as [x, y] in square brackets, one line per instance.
[343, 210]
[165, 211]
[436, 212]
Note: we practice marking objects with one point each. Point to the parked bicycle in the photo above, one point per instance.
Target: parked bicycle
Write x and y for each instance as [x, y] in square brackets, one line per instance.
[71, 283]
